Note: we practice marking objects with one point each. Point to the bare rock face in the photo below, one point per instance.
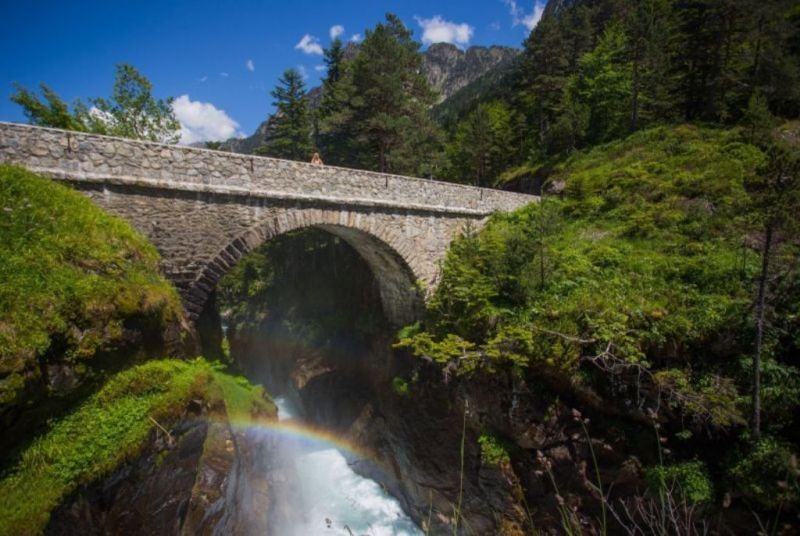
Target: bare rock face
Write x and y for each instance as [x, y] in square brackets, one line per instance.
[448, 69]
[555, 7]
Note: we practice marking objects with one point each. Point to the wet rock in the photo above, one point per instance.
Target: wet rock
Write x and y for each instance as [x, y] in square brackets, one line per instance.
[203, 478]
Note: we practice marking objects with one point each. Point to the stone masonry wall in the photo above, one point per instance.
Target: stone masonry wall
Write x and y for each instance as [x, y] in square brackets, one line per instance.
[91, 157]
[204, 210]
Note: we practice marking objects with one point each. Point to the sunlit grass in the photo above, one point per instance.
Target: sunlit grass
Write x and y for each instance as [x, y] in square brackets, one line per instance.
[69, 272]
[110, 428]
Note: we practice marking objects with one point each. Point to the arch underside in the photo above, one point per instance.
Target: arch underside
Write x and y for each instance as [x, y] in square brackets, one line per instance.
[401, 298]
[201, 236]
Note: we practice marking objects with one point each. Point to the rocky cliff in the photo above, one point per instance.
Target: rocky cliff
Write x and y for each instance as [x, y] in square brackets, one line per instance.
[449, 69]
[554, 7]
[203, 476]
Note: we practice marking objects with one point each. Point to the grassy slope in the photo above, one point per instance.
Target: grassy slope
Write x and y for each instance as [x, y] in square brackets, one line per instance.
[642, 256]
[71, 273]
[109, 428]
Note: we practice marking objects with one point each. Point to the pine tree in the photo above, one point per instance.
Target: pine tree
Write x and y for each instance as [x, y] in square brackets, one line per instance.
[290, 133]
[544, 73]
[648, 25]
[334, 113]
[380, 119]
[771, 68]
[775, 196]
[695, 59]
[758, 121]
[334, 57]
[483, 145]
[603, 86]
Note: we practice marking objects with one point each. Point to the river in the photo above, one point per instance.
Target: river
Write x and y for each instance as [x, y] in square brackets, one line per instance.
[329, 498]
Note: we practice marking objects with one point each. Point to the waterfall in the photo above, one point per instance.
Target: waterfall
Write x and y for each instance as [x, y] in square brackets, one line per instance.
[328, 497]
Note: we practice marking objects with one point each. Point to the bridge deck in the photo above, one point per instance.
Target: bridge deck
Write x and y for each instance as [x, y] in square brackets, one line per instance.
[93, 158]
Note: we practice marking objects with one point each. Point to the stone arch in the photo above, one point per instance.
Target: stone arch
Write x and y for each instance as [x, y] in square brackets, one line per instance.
[389, 254]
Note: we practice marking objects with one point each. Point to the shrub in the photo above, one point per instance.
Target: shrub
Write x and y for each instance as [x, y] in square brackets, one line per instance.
[493, 450]
[689, 480]
[767, 474]
[641, 258]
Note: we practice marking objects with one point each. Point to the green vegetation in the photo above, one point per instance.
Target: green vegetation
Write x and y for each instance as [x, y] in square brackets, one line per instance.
[72, 277]
[110, 428]
[243, 401]
[642, 274]
[400, 386]
[290, 130]
[376, 109]
[479, 150]
[493, 450]
[590, 73]
[597, 71]
[658, 279]
[688, 480]
[131, 112]
[632, 256]
[767, 471]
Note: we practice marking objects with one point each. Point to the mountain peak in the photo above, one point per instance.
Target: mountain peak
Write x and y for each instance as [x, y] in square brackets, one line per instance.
[448, 68]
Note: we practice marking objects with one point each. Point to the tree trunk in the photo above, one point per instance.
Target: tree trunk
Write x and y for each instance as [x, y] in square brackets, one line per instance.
[757, 54]
[729, 30]
[744, 259]
[761, 299]
[635, 89]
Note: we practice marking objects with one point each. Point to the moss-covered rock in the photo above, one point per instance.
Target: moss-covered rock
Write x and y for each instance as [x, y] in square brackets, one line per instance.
[145, 411]
[80, 289]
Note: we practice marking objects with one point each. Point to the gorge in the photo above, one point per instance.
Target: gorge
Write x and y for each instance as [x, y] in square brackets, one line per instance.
[446, 288]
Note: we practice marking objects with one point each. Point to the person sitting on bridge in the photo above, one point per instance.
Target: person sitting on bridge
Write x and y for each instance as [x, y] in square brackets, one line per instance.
[316, 160]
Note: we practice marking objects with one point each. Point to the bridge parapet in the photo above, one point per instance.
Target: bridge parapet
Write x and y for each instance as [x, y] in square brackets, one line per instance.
[89, 157]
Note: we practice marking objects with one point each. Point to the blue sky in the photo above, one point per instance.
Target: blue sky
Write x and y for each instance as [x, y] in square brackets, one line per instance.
[220, 59]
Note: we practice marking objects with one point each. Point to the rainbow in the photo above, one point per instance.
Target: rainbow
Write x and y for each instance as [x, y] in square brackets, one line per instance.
[298, 431]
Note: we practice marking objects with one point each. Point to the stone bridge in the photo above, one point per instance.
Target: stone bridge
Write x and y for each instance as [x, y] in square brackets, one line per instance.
[204, 210]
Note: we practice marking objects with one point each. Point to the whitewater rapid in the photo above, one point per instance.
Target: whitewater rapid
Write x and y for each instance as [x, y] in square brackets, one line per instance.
[334, 500]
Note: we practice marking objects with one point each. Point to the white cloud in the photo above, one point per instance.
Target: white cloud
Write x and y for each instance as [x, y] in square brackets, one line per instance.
[519, 16]
[495, 26]
[310, 45]
[438, 30]
[336, 31]
[250, 65]
[203, 78]
[223, 74]
[202, 121]
[100, 115]
[355, 38]
[303, 71]
[320, 68]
